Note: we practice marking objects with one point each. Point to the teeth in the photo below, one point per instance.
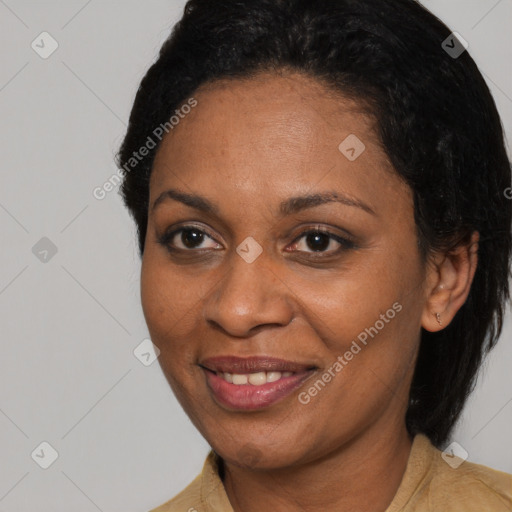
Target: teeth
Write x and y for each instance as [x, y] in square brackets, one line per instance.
[239, 379]
[256, 379]
[273, 376]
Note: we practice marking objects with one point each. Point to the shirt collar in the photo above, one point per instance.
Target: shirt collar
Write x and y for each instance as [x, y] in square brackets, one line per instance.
[215, 499]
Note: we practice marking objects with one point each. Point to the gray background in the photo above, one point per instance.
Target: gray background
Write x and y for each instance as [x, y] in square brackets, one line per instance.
[68, 374]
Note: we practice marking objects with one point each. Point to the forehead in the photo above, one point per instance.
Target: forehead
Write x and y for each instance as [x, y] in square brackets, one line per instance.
[271, 129]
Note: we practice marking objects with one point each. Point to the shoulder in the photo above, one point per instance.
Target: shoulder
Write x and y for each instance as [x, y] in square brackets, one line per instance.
[436, 481]
[469, 487]
[188, 500]
[205, 492]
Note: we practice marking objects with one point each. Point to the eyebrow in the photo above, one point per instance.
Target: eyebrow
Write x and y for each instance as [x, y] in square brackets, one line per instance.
[287, 207]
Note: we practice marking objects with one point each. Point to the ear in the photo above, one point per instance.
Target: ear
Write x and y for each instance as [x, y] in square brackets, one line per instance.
[449, 278]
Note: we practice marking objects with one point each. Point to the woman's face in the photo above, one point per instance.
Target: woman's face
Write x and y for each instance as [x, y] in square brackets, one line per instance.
[244, 278]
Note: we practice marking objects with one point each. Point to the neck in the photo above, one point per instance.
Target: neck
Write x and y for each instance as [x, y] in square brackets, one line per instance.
[362, 475]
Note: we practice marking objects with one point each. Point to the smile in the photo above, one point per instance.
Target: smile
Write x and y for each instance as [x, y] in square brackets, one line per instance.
[254, 390]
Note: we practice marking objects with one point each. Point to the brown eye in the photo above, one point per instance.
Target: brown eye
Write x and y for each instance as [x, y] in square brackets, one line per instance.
[317, 241]
[321, 241]
[191, 237]
[188, 238]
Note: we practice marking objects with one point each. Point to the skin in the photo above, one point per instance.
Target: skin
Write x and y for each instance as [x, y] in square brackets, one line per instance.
[247, 146]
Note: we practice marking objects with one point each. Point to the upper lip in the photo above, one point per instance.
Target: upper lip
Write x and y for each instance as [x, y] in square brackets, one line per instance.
[253, 364]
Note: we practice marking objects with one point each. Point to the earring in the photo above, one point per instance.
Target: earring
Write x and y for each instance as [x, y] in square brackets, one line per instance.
[438, 317]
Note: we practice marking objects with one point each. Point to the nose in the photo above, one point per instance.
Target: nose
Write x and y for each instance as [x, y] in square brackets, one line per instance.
[249, 297]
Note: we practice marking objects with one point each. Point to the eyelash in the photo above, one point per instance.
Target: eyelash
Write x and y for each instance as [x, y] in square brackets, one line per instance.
[345, 243]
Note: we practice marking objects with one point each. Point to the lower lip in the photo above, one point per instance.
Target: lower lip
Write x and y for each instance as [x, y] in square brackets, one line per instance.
[248, 396]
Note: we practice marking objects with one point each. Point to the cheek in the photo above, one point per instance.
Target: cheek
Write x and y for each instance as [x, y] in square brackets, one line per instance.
[342, 304]
[386, 325]
[162, 312]
[155, 296]
[370, 315]
[166, 310]
[166, 296]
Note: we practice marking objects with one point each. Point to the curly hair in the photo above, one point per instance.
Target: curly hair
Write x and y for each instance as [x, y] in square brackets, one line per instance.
[436, 121]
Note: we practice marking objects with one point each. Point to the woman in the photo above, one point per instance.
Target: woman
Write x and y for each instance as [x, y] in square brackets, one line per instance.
[319, 191]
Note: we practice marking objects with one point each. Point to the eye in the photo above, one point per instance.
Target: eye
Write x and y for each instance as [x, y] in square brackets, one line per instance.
[317, 240]
[320, 240]
[190, 238]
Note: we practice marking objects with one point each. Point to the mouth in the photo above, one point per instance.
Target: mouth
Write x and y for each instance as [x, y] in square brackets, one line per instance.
[255, 382]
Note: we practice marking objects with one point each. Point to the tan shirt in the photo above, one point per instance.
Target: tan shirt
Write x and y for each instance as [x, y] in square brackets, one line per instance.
[429, 484]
